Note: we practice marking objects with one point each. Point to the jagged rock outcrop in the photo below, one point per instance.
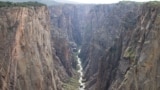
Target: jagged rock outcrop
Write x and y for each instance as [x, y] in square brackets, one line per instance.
[25, 49]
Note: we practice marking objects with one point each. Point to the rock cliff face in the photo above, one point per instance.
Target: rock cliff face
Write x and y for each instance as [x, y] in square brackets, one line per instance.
[103, 28]
[67, 22]
[66, 34]
[29, 58]
[25, 49]
[132, 62]
[141, 53]
[110, 36]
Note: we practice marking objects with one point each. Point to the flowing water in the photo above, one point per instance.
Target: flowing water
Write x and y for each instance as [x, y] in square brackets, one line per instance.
[80, 71]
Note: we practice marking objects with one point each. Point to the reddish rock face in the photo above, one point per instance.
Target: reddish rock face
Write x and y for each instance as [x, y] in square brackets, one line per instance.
[25, 49]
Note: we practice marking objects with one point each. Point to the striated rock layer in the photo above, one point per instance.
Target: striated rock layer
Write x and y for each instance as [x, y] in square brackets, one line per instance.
[25, 49]
[141, 53]
[103, 28]
[132, 62]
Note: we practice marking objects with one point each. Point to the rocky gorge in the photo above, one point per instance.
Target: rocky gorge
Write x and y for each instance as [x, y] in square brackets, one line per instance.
[80, 46]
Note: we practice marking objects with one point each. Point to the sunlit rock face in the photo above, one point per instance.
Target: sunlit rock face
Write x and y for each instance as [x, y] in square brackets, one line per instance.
[25, 49]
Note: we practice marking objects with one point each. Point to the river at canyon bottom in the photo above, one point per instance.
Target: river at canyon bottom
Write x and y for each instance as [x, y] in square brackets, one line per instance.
[80, 71]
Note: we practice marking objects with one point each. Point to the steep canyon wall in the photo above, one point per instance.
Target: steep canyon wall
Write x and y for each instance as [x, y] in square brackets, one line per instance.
[25, 49]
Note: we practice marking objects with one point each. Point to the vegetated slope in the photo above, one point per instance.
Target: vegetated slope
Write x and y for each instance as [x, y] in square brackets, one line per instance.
[25, 49]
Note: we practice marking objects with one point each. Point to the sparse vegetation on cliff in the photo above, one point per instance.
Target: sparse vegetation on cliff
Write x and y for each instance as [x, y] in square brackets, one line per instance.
[129, 53]
[154, 3]
[23, 4]
[72, 83]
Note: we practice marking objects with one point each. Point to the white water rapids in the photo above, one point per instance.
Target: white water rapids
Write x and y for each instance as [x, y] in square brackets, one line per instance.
[80, 71]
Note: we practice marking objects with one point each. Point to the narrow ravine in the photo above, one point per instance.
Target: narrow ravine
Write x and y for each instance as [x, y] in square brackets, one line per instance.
[80, 71]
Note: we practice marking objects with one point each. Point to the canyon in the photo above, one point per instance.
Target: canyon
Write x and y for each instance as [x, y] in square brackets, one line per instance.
[80, 46]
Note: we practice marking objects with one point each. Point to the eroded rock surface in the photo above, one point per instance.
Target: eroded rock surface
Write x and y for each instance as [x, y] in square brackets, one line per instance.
[103, 28]
[25, 49]
[132, 62]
